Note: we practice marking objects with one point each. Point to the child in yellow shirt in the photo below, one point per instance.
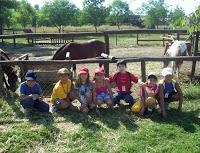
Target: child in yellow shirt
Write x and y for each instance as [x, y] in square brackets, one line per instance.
[61, 96]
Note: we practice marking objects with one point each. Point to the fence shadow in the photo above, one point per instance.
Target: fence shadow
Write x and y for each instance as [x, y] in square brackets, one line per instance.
[186, 120]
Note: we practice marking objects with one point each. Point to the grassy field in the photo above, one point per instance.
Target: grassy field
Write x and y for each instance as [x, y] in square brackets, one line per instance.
[113, 131]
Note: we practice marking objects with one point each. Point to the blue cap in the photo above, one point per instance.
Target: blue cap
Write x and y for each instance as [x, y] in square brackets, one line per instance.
[30, 75]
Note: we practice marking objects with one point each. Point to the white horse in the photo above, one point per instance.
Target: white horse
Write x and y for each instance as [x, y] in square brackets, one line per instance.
[178, 48]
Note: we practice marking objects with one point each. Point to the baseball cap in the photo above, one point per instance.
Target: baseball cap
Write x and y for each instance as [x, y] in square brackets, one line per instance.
[99, 71]
[167, 71]
[83, 70]
[30, 75]
[63, 71]
[152, 75]
[121, 62]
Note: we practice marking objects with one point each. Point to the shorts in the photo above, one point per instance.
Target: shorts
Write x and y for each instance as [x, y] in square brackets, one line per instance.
[150, 101]
[103, 96]
[168, 96]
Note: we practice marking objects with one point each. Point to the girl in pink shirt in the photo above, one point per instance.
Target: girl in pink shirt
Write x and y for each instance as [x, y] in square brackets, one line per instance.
[101, 88]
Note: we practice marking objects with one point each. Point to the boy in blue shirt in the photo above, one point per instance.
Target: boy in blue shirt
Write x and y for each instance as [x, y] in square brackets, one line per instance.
[31, 95]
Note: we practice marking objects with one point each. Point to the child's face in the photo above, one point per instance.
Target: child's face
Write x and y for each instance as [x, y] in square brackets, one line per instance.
[152, 81]
[121, 68]
[30, 83]
[63, 78]
[168, 78]
[84, 77]
[99, 76]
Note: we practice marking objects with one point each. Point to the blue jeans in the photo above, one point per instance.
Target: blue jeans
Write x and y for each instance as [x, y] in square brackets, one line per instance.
[30, 103]
[121, 96]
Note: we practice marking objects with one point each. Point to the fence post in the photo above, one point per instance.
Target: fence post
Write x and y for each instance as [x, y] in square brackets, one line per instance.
[106, 38]
[14, 42]
[137, 39]
[143, 70]
[195, 53]
[116, 39]
[178, 36]
[2, 91]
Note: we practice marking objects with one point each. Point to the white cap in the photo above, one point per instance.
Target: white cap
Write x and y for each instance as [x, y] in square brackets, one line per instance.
[167, 71]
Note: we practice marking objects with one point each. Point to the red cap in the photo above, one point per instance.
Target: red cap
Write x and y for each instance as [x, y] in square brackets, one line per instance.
[99, 71]
[83, 70]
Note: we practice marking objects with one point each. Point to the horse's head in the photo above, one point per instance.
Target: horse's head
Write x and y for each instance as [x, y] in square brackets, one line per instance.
[189, 48]
[12, 78]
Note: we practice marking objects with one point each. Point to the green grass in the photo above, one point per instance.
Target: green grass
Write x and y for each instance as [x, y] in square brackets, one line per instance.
[112, 131]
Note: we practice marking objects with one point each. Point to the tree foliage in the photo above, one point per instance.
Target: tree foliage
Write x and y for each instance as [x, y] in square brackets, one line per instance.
[24, 13]
[6, 7]
[176, 17]
[58, 13]
[119, 12]
[194, 21]
[156, 13]
[94, 12]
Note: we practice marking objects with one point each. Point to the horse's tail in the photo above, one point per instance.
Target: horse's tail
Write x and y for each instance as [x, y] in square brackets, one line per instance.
[60, 49]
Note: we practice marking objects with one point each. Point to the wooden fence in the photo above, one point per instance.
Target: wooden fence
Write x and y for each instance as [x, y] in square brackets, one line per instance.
[60, 38]
[105, 34]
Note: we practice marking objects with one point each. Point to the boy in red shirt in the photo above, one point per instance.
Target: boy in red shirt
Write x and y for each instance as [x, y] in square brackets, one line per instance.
[123, 80]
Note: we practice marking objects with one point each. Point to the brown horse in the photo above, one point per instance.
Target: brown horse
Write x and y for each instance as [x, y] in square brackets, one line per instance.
[90, 49]
[11, 81]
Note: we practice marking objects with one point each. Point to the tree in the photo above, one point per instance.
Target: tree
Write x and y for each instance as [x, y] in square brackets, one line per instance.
[176, 17]
[59, 13]
[156, 13]
[94, 12]
[24, 13]
[194, 21]
[119, 12]
[5, 12]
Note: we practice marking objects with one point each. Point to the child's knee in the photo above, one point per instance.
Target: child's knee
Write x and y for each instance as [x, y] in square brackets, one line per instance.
[109, 103]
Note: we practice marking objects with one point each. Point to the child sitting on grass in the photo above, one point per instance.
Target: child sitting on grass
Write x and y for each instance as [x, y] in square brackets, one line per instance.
[169, 91]
[148, 92]
[84, 87]
[61, 97]
[123, 80]
[101, 88]
[31, 95]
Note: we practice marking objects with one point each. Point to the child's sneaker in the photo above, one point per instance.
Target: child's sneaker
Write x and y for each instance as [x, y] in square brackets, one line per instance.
[53, 109]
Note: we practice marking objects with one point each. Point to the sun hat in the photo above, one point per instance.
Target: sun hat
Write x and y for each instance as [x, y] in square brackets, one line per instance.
[152, 75]
[99, 71]
[167, 71]
[63, 71]
[83, 70]
[30, 75]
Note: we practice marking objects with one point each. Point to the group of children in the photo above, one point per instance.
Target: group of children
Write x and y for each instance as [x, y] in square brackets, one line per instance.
[93, 93]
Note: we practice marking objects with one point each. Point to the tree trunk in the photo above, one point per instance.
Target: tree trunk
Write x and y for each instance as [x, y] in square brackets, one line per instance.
[95, 28]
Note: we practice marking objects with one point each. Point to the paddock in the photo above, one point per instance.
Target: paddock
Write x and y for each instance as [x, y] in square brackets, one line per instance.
[141, 59]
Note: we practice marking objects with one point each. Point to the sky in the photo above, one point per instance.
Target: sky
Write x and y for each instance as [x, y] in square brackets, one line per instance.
[188, 6]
